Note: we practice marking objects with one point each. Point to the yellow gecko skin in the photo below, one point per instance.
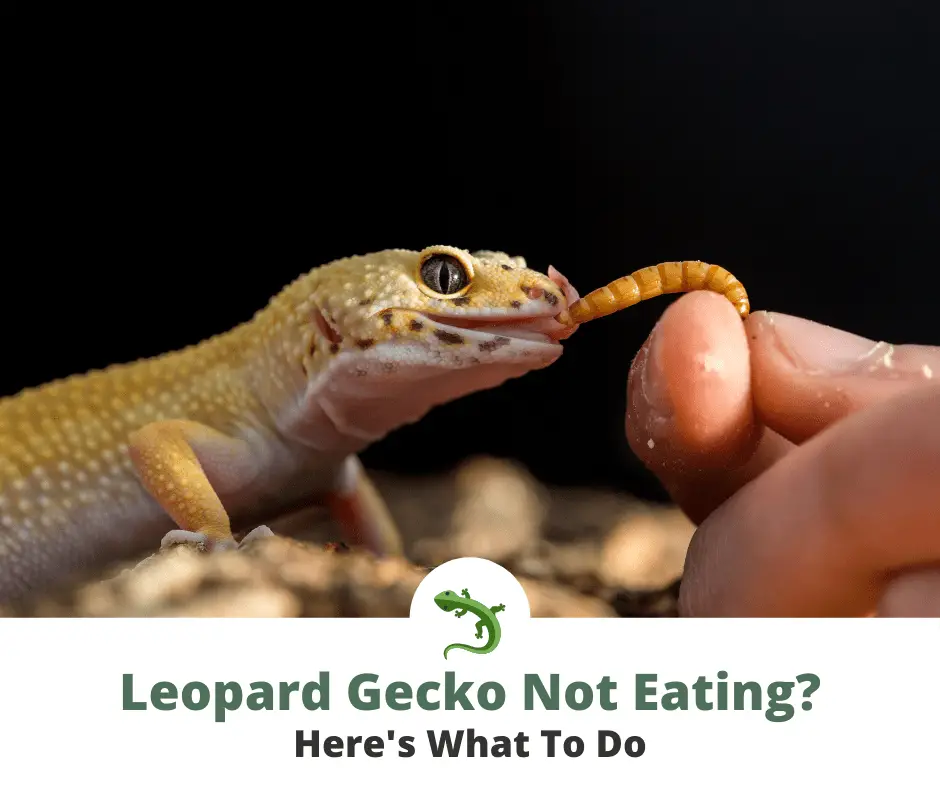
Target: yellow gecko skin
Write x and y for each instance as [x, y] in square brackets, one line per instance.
[218, 438]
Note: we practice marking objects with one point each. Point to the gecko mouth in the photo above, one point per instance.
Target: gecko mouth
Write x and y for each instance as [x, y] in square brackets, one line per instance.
[542, 328]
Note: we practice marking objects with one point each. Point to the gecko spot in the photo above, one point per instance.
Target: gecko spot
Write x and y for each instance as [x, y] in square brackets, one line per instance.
[334, 348]
[515, 304]
[462, 301]
[366, 301]
[387, 318]
[311, 354]
[365, 343]
[416, 325]
[506, 267]
[551, 298]
[494, 343]
[448, 337]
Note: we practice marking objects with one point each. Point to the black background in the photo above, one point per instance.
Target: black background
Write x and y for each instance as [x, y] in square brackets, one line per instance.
[169, 175]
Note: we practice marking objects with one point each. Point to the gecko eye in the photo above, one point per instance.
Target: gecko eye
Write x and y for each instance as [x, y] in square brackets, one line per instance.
[443, 272]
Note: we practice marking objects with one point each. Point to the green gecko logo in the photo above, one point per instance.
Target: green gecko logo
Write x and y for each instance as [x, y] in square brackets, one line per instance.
[448, 600]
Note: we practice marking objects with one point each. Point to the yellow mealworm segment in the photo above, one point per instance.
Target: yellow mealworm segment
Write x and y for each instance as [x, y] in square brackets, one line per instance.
[680, 277]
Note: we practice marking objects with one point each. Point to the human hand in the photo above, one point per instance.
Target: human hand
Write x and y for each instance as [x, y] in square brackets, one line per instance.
[809, 458]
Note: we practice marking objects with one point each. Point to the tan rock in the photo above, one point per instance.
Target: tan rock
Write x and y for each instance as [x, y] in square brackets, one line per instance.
[646, 551]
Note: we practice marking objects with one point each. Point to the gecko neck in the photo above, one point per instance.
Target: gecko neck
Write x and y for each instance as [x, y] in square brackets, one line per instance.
[362, 396]
[279, 340]
[332, 408]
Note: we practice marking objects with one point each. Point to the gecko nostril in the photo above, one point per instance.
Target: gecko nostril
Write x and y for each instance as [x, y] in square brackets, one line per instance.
[533, 292]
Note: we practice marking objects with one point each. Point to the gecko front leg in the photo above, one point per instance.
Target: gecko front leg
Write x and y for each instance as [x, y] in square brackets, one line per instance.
[184, 465]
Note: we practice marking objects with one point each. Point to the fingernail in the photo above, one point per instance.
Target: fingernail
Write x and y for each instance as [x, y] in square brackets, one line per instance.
[817, 348]
[651, 380]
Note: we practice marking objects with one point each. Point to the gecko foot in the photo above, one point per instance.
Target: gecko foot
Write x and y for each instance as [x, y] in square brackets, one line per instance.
[479, 635]
[203, 542]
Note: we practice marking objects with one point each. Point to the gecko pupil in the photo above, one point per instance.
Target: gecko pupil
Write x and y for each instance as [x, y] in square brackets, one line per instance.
[443, 274]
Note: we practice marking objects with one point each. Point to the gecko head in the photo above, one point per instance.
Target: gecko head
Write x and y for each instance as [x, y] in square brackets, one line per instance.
[444, 308]
[445, 600]
[398, 332]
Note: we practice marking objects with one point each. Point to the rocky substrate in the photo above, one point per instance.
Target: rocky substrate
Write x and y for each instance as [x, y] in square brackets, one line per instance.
[577, 552]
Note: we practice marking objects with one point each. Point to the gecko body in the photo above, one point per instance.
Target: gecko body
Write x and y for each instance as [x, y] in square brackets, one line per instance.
[220, 438]
[486, 619]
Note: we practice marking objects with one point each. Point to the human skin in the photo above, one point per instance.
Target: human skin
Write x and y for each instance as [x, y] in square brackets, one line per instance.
[808, 457]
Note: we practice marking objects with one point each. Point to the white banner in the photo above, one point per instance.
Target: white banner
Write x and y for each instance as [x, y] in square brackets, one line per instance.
[248, 702]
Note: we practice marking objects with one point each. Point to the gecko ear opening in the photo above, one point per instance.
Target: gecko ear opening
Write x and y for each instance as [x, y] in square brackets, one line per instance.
[324, 327]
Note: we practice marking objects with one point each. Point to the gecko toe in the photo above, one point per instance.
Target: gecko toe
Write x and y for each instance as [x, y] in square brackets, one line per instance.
[261, 532]
[181, 536]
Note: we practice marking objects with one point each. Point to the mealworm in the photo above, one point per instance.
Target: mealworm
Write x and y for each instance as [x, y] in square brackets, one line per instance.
[655, 280]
